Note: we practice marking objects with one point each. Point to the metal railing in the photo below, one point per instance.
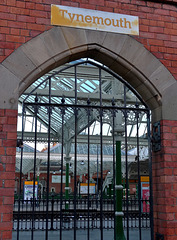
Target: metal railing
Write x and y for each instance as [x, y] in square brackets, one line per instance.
[24, 215]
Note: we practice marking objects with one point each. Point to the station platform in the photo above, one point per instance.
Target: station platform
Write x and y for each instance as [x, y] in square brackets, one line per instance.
[81, 235]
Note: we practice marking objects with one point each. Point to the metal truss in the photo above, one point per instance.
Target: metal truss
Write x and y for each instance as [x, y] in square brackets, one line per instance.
[62, 85]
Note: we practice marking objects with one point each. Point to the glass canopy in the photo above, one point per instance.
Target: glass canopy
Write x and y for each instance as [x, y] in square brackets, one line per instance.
[87, 75]
[63, 85]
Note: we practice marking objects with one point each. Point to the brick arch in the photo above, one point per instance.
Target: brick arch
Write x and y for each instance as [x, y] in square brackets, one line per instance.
[121, 53]
[124, 55]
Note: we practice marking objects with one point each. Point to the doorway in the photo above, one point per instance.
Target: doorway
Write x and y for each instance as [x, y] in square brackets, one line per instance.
[96, 157]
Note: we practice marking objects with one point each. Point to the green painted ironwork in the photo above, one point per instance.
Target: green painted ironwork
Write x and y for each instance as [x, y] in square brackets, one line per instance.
[67, 186]
[118, 219]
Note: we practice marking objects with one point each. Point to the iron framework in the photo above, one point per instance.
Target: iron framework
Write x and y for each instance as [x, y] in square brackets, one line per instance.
[84, 99]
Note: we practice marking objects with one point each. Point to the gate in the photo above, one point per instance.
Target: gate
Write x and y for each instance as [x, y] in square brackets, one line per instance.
[97, 162]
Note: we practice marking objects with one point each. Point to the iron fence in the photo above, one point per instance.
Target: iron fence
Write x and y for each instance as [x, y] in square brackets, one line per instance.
[70, 116]
[26, 215]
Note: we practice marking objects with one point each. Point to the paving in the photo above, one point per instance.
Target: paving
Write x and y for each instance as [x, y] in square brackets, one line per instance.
[81, 235]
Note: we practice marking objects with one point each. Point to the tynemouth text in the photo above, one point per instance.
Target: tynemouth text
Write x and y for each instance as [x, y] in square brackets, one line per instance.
[122, 22]
[94, 20]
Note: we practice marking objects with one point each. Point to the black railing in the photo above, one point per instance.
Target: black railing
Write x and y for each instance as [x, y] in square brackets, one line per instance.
[26, 215]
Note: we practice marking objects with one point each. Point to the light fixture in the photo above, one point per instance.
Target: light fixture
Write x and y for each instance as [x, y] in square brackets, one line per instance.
[82, 162]
[19, 143]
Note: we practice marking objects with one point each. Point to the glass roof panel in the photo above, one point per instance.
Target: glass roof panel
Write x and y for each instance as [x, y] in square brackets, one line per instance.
[88, 86]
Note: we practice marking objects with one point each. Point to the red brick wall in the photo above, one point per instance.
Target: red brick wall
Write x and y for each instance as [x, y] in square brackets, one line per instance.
[22, 20]
[165, 182]
[8, 141]
[57, 186]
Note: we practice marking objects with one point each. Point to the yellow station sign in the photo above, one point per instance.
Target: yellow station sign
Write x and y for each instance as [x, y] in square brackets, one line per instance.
[95, 20]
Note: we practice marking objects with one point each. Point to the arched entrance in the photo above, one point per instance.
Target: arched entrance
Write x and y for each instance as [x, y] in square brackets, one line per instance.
[85, 105]
[121, 53]
[144, 72]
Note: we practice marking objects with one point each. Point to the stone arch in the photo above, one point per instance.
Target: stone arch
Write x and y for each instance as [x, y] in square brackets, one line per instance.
[121, 53]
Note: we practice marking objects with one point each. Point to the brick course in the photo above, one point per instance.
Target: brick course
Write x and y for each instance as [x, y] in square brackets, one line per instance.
[7, 171]
[20, 21]
[165, 182]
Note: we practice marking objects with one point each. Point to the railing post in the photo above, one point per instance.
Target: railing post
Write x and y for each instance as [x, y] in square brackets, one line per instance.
[67, 183]
[119, 214]
[52, 213]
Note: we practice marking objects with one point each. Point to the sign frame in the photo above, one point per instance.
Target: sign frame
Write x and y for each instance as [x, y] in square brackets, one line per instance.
[94, 20]
[28, 190]
[84, 188]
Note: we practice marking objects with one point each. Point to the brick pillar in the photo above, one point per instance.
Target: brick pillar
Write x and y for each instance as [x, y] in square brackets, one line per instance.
[165, 182]
[8, 142]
